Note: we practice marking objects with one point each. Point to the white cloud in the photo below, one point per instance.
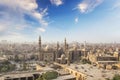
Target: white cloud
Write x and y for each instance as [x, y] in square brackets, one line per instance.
[2, 28]
[56, 2]
[17, 9]
[115, 9]
[88, 5]
[76, 20]
[14, 12]
[41, 30]
[116, 5]
[14, 36]
[39, 16]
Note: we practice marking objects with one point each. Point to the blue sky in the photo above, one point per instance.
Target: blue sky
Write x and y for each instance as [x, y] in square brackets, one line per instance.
[77, 20]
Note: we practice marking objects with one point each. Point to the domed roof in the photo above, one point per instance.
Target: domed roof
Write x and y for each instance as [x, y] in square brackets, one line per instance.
[63, 56]
[116, 52]
[117, 49]
[60, 48]
[47, 48]
[75, 46]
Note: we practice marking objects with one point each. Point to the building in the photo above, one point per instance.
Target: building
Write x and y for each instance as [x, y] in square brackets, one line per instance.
[103, 61]
[47, 53]
[21, 76]
[75, 54]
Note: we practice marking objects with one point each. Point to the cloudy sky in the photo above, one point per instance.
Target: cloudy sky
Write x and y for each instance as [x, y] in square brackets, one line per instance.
[77, 20]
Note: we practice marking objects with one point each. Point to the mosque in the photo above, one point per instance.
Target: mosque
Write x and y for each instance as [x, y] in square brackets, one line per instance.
[60, 55]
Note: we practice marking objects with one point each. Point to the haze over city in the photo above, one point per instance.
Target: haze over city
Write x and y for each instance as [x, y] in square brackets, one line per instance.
[59, 39]
[77, 20]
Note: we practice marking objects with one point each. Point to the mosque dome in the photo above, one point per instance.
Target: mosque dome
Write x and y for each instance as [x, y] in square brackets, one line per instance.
[63, 56]
[74, 46]
[47, 48]
[60, 48]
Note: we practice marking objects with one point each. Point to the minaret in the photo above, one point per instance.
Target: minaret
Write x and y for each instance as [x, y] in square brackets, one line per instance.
[57, 51]
[68, 61]
[65, 45]
[84, 44]
[39, 43]
[58, 46]
[84, 48]
[40, 53]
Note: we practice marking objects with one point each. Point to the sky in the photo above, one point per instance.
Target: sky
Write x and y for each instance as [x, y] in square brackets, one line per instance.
[77, 20]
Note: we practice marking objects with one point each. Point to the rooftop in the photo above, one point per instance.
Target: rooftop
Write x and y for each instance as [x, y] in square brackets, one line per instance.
[65, 77]
[94, 73]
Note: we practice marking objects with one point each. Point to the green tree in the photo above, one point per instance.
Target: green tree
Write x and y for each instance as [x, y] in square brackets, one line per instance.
[24, 66]
[7, 67]
[48, 75]
[16, 58]
[40, 78]
[107, 79]
[85, 61]
[114, 67]
[4, 69]
[116, 77]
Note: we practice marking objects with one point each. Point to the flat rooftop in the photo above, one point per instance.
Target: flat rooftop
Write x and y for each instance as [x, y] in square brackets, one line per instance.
[94, 73]
[65, 77]
[18, 75]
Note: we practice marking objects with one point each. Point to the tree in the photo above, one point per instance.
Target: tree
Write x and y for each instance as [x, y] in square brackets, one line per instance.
[107, 79]
[6, 66]
[4, 69]
[85, 61]
[116, 77]
[40, 78]
[48, 75]
[16, 58]
[114, 67]
[24, 66]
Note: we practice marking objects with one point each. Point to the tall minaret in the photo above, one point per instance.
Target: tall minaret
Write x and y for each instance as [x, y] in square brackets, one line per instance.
[85, 49]
[68, 61]
[40, 53]
[39, 43]
[65, 45]
[84, 44]
[58, 46]
[56, 56]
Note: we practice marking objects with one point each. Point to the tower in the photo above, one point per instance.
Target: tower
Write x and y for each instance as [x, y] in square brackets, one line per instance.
[68, 60]
[40, 52]
[39, 43]
[65, 45]
[58, 46]
[56, 56]
[85, 54]
[85, 44]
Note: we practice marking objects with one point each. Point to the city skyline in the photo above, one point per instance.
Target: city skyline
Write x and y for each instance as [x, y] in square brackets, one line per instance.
[80, 20]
